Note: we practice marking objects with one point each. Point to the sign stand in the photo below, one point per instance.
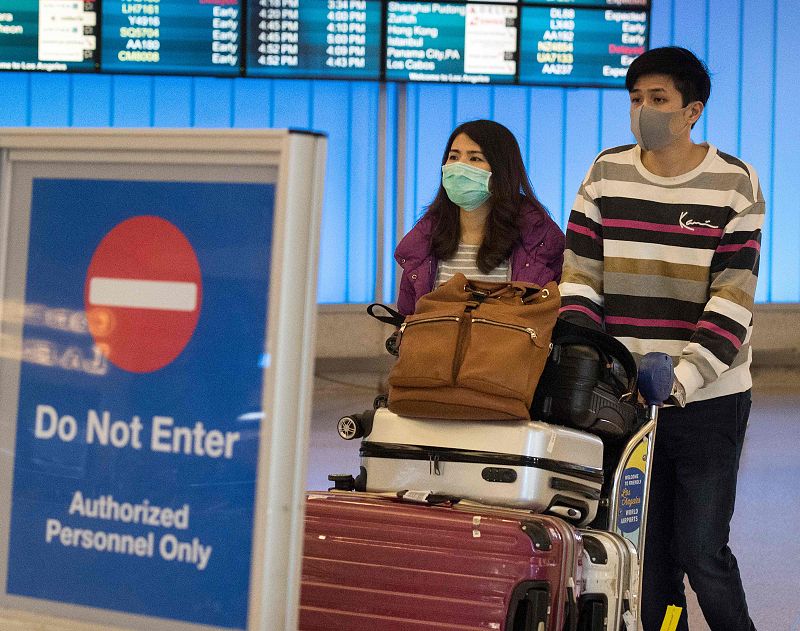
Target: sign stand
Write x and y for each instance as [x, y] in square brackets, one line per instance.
[157, 327]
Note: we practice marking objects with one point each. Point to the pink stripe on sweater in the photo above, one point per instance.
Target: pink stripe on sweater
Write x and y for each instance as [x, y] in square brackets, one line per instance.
[735, 247]
[582, 309]
[644, 322]
[661, 227]
[722, 332]
[676, 324]
[582, 230]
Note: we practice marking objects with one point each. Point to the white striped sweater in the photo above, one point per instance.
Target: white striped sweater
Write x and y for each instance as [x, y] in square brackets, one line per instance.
[669, 264]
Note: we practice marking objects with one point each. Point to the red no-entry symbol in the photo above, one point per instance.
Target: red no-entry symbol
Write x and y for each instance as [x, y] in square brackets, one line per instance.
[143, 293]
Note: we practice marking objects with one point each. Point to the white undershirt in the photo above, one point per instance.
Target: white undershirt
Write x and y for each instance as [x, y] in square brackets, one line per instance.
[463, 261]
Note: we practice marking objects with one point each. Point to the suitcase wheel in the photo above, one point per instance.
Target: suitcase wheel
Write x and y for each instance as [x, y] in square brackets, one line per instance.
[349, 428]
[342, 482]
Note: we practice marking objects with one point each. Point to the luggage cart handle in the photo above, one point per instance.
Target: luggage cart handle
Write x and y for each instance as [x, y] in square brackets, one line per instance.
[655, 379]
[656, 376]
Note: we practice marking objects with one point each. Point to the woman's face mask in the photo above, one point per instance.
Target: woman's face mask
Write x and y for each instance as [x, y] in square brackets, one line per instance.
[465, 185]
[655, 129]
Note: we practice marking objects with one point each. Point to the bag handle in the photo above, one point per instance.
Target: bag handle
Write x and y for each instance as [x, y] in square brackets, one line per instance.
[571, 333]
[526, 294]
[605, 357]
[395, 318]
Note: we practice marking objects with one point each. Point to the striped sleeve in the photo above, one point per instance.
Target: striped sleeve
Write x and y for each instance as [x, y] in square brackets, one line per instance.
[582, 276]
[727, 316]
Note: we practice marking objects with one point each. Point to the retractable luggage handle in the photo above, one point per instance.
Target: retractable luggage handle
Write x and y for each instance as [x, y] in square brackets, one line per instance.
[656, 376]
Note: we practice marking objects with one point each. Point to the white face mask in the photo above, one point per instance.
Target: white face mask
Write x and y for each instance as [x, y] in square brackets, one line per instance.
[465, 185]
[655, 129]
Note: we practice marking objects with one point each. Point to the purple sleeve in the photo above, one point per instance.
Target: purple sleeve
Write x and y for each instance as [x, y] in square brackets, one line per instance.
[553, 253]
[406, 300]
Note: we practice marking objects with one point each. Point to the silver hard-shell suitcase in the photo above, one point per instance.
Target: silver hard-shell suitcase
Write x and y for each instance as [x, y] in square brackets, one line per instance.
[528, 465]
[609, 595]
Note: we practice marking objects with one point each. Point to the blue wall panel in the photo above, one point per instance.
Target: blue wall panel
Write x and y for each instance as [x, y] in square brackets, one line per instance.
[409, 140]
[786, 158]
[690, 31]
[362, 186]
[252, 103]
[50, 100]
[472, 102]
[511, 109]
[132, 102]
[559, 131]
[173, 102]
[724, 46]
[661, 23]
[615, 120]
[293, 104]
[212, 102]
[581, 142]
[333, 113]
[390, 229]
[15, 89]
[757, 117]
[436, 118]
[91, 101]
[546, 152]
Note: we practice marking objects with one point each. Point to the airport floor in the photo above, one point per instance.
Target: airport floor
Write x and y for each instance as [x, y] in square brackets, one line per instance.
[764, 534]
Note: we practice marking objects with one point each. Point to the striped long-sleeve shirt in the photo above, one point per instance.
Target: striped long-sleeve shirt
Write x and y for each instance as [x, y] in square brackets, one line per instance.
[669, 264]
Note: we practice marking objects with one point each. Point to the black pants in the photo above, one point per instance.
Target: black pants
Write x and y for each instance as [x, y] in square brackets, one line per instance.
[692, 495]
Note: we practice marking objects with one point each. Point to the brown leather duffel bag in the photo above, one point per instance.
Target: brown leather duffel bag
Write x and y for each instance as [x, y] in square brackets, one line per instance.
[474, 350]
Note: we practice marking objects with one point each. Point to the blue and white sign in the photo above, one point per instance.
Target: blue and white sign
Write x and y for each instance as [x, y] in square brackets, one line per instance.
[631, 500]
[135, 463]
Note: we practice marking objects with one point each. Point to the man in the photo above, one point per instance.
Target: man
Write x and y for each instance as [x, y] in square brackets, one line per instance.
[662, 251]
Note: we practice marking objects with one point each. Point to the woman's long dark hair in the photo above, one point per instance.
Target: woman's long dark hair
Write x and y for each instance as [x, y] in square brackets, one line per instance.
[509, 185]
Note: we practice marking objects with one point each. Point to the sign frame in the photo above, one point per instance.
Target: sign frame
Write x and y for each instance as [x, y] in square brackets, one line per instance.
[294, 161]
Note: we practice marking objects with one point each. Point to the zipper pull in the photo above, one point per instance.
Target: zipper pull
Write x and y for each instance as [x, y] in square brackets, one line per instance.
[532, 333]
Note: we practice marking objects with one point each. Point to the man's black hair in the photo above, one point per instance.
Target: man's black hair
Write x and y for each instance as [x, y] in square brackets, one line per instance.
[689, 74]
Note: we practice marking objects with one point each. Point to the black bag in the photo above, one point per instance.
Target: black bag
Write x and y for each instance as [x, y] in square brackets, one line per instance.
[589, 383]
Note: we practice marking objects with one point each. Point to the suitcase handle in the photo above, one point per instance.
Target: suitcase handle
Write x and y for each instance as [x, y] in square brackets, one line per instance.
[426, 497]
[572, 607]
[528, 607]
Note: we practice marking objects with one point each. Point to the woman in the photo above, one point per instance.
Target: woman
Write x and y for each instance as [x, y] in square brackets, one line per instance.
[485, 221]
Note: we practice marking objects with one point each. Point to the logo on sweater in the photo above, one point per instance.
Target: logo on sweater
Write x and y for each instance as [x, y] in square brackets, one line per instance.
[688, 223]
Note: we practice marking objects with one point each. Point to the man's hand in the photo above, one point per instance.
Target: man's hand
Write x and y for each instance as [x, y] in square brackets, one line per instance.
[677, 395]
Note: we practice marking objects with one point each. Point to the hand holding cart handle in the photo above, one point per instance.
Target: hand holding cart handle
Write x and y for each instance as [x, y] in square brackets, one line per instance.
[655, 378]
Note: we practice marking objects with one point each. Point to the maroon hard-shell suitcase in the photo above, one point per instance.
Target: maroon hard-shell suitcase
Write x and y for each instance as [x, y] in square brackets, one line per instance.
[372, 563]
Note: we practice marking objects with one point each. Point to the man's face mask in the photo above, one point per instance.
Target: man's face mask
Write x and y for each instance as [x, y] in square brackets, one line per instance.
[655, 129]
[465, 185]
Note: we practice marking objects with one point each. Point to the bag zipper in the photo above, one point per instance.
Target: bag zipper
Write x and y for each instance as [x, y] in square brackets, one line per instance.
[426, 320]
[504, 325]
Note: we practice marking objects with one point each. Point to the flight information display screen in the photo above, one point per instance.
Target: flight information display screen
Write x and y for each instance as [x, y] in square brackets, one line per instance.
[451, 42]
[611, 4]
[48, 35]
[202, 37]
[580, 46]
[528, 42]
[314, 38]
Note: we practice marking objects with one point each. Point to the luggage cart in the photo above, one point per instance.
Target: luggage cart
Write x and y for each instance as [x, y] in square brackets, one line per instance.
[415, 559]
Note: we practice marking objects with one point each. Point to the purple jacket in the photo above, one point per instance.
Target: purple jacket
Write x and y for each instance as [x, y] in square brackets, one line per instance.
[536, 258]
